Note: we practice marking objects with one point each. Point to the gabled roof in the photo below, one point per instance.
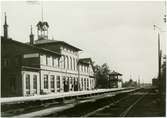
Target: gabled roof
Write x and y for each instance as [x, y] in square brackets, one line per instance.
[48, 41]
[86, 61]
[31, 46]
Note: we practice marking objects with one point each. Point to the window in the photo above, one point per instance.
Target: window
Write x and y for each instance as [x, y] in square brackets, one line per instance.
[74, 63]
[34, 81]
[52, 81]
[83, 83]
[58, 62]
[53, 61]
[64, 62]
[45, 81]
[58, 83]
[43, 59]
[67, 62]
[85, 68]
[81, 68]
[27, 81]
[71, 80]
[71, 62]
[47, 60]
[87, 83]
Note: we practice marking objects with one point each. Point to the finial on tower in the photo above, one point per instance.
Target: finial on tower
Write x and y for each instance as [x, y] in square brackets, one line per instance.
[5, 26]
[31, 29]
[31, 37]
[42, 10]
[5, 18]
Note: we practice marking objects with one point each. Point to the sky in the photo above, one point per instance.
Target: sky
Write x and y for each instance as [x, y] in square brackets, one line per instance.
[119, 33]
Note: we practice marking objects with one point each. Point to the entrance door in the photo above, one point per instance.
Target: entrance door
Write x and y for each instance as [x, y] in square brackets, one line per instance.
[34, 84]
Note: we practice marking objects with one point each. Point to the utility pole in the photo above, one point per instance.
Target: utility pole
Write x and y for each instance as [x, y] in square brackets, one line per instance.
[159, 58]
[139, 81]
[159, 63]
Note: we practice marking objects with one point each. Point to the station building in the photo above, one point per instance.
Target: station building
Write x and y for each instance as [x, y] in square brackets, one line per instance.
[42, 66]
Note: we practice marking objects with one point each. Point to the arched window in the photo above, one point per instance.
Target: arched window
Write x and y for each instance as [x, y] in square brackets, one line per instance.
[81, 67]
[71, 63]
[67, 62]
[74, 63]
[64, 62]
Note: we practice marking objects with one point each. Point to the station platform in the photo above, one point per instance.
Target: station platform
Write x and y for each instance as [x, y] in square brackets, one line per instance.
[8, 100]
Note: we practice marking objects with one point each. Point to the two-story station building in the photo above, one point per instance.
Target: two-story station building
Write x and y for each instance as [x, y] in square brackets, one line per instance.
[42, 66]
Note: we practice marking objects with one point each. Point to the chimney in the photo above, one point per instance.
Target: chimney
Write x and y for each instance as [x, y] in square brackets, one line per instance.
[5, 26]
[31, 37]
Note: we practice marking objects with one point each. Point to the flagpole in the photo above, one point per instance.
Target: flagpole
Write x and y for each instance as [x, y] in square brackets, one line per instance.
[42, 10]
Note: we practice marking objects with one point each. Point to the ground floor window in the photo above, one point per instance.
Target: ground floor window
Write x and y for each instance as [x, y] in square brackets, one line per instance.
[87, 83]
[34, 81]
[66, 85]
[58, 83]
[27, 81]
[45, 81]
[52, 82]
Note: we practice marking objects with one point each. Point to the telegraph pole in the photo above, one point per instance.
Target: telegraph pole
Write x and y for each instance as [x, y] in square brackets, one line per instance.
[159, 63]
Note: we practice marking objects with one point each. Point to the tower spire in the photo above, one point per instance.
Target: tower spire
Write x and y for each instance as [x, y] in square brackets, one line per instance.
[42, 26]
[5, 26]
[5, 19]
[31, 37]
[42, 10]
[31, 29]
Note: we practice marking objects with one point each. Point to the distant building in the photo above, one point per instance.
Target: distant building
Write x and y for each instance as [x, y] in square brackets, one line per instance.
[155, 82]
[130, 83]
[115, 80]
[42, 66]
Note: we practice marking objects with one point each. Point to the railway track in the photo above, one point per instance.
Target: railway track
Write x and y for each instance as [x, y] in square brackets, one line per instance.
[115, 106]
[119, 109]
[56, 107]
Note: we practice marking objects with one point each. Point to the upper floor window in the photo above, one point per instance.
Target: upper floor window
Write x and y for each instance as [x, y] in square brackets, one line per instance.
[84, 68]
[71, 63]
[67, 62]
[52, 61]
[58, 61]
[81, 68]
[74, 63]
[55, 62]
[47, 60]
[64, 62]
